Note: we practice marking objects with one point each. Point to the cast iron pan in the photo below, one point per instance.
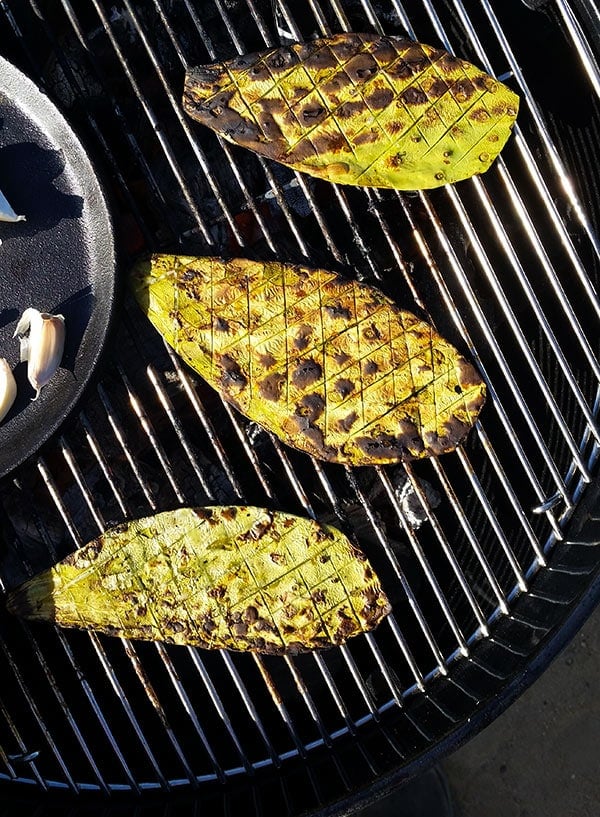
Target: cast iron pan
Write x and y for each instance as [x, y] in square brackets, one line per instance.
[61, 260]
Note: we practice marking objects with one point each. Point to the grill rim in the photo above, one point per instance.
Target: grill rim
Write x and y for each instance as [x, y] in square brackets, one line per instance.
[497, 704]
[556, 638]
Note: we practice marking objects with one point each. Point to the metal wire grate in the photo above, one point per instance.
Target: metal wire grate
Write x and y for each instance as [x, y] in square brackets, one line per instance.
[504, 265]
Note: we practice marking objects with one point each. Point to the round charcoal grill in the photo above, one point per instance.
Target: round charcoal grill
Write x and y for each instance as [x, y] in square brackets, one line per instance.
[489, 555]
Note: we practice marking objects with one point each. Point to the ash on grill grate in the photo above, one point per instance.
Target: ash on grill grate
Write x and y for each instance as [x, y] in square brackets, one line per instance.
[504, 265]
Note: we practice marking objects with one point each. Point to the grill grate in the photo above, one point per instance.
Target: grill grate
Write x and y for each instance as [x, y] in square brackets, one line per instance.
[504, 265]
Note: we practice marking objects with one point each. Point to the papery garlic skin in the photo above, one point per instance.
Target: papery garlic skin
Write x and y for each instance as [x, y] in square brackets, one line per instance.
[6, 211]
[43, 347]
[8, 388]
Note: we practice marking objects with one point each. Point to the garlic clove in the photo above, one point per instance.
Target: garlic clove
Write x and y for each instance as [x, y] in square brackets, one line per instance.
[6, 211]
[8, 388]
[43, 347]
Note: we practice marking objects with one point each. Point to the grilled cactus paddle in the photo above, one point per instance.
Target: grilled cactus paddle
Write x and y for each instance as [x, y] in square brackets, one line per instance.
[358, 109]
[330, 366]
[236, 578]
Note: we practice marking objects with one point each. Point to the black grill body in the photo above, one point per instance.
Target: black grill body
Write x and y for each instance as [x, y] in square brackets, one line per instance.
[489, 555]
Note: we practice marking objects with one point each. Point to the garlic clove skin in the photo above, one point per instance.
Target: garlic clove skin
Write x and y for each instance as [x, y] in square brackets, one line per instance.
[6, 211]
[43, 347]
[8, 388]
[24, 323]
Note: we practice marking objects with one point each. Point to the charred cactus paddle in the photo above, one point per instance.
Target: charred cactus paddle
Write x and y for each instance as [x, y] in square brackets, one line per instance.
[237, 578]
[358, 109]
[329, 365]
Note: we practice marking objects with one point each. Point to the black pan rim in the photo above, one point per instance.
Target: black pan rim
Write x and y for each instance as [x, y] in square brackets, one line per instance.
[19, 89]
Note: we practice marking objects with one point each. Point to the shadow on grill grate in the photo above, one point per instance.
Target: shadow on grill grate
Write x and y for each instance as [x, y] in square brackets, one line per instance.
[504, 265]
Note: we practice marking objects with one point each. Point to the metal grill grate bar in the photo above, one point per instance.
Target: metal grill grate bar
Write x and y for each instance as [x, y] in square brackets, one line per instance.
[56, 497]
[101, 459]
[406, 652]
[167, 406]
[308, 701]
[120, 436]
[435, 586]
[586, 437]
[127, 709]
[218, 704]
[158, 708]
[250, 707]
[473, 541]
[189, 709]
[249, 450]
[359, 681]
[280, 705]
[74, 469]
[335, 694]
[10, 772]
[386, 672]
[44, 730]
[293, 477]
[586, 53]
[146, 424]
